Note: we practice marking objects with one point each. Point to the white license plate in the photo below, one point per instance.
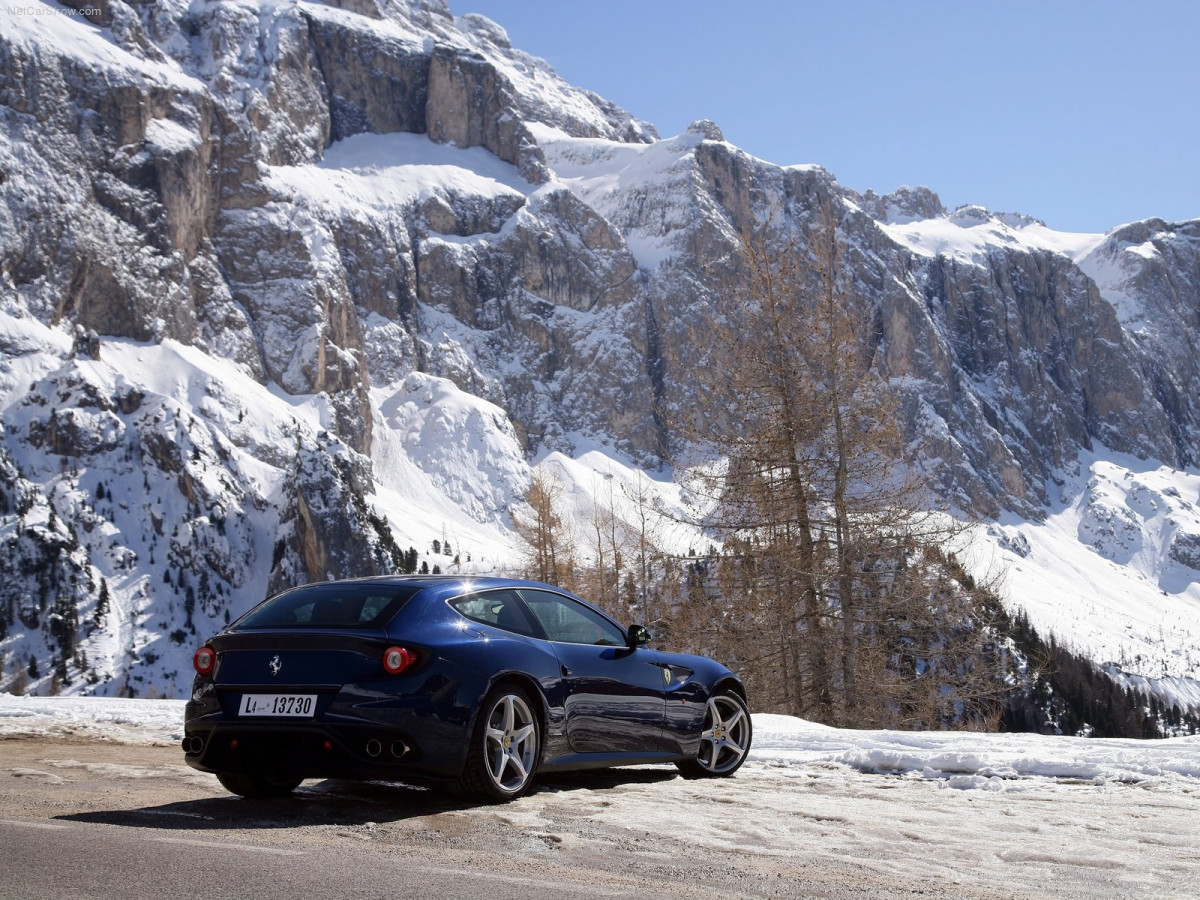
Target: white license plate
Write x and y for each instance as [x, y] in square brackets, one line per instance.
[300, 705]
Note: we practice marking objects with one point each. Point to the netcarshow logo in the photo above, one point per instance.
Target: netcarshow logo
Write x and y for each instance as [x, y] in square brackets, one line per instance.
[86, 12]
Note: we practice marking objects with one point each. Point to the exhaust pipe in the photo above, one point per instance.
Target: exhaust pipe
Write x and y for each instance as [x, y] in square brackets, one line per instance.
[399, 748]
[374, 748]
[193, 746]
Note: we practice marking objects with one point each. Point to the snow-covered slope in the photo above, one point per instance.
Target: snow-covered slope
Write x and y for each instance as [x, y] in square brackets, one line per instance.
[1111, 571]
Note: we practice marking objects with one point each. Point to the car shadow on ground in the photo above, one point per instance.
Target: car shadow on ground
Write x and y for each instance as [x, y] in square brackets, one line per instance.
[345, 803]
[602, 779]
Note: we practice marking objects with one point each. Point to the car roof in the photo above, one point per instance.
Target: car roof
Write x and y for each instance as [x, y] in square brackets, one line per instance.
[444, 586]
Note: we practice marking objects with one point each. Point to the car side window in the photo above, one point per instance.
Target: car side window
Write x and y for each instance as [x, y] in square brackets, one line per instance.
[569, 622]
[502, 609]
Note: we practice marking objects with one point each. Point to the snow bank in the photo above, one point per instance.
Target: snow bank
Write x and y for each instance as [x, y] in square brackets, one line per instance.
[964, 759]
[97, 718]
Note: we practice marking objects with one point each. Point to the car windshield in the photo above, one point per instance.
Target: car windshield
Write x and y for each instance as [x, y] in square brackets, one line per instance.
[329, 606]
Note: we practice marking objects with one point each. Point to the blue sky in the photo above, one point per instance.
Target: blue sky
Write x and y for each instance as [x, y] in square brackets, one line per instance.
[1085, 114]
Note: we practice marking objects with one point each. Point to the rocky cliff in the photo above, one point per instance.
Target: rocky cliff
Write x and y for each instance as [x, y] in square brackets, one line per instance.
[286, 287]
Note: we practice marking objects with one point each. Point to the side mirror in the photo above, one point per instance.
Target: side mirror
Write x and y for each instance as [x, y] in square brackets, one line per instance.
[637, 636]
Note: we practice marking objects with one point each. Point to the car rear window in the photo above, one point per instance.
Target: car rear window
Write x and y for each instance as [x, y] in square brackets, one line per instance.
[329, 606]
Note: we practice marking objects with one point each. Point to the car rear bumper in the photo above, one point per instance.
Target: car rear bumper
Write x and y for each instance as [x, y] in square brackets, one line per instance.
[313, 750]
[357, 731]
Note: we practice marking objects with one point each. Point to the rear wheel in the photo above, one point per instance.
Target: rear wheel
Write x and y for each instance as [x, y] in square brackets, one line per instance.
[248, 785]
[725, 740]
[504, 747]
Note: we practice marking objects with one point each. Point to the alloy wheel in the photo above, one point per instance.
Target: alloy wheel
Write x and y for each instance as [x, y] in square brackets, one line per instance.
[510, 743]
[726, 735]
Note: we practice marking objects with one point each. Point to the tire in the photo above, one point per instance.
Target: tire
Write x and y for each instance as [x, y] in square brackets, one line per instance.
[258, 786]
[505, 747]
[725, 740]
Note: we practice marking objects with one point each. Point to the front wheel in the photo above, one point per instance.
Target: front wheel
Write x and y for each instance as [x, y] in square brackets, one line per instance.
[504, 747]
[257, 786]
[725, 740]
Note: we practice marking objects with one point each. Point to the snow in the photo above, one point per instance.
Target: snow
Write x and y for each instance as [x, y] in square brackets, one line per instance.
[1109, 271]
[1114, 265]
[974, 761]
[614, 177]
[971, 234]
[392, 28]
[171, 137]
[207, 402]
[390, 171]
[1103, 573]
[464, 445]
[594, 487]
[64, 33]
[97, 718]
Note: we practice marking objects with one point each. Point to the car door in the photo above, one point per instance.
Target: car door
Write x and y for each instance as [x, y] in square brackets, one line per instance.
[614, 694]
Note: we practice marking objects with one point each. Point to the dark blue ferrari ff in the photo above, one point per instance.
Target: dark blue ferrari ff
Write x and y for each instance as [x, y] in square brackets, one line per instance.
[477, 682]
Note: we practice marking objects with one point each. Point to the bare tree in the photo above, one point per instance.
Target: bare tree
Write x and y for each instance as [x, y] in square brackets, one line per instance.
[549, 550]
[762, 424]
[650, 574]
[601, 579]
[831, 545]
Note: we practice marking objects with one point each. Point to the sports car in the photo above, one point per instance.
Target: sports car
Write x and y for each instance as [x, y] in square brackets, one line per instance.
[479, 683]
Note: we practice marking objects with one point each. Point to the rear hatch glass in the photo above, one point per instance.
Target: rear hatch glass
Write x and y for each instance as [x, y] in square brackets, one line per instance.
[335, 605]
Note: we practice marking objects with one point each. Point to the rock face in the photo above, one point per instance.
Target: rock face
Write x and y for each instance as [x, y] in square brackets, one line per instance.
[252, 254]
[142, 209]
[1149, 272]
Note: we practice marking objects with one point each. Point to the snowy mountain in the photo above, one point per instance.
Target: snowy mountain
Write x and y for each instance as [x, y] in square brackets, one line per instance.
[289, 288]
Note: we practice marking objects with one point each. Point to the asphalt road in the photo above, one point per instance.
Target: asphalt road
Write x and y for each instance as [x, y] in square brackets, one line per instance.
[92, 820]
[89, 860]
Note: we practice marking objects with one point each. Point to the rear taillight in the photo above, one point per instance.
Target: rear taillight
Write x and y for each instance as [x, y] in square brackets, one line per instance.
[205, 660]
[398, 659]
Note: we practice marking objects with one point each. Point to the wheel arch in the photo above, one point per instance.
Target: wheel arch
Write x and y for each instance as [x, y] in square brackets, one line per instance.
[733, 684]
[531, 687]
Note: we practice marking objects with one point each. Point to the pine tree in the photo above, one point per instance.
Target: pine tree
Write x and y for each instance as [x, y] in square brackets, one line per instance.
[102, 603]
